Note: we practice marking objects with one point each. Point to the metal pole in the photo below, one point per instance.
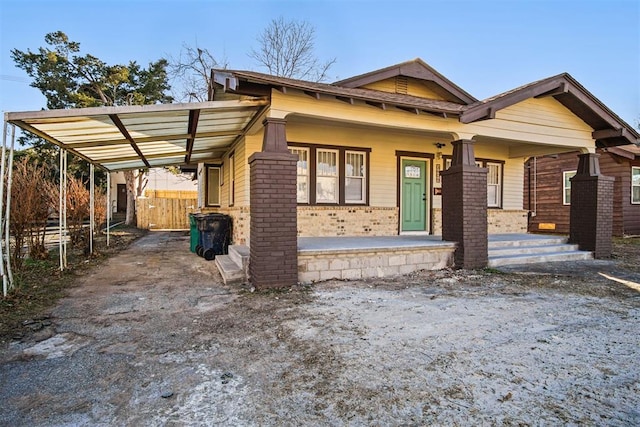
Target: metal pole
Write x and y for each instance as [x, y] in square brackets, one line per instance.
[92, 199]
[108, 205]
[61, 194]
[8, 211]
[64, 207]
[5, 283]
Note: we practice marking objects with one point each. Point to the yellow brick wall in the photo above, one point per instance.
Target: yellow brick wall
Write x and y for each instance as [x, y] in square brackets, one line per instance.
[498, 221]
[347, 221]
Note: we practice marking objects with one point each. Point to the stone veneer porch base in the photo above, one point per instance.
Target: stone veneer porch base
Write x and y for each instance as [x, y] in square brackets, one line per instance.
[340, 261]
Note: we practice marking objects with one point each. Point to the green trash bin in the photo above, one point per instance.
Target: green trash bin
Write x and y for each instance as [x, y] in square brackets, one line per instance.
[194, 233]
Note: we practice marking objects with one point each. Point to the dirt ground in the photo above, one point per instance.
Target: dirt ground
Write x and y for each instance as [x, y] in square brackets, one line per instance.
[152, 337]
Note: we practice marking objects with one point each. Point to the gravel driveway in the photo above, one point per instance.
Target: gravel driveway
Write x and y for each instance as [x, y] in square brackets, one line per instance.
[152, 337]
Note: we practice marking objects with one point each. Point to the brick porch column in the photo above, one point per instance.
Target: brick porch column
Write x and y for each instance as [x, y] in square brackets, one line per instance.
[591, 215]
[464, 207]
[273, 252]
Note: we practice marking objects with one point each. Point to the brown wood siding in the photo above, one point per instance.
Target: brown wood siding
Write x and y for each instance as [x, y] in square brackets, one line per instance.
[550, 210]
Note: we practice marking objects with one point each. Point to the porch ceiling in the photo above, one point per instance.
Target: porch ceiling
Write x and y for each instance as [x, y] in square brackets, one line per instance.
[134, 137]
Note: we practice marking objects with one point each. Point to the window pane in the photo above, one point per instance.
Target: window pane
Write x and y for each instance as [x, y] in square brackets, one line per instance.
[492, 195]
[636, 194]
[635, 176]
[326, 189]
[354, 164]
[327, 163]
[493, 176]
[353, 190]
[303, 190]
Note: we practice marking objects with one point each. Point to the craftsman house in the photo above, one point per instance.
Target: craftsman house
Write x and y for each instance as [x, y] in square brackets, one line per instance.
[383, 173]
[547, 189]
[395, 152]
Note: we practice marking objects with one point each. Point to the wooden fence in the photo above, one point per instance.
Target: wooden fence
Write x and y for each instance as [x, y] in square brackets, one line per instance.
[164, 214]
[171, 194]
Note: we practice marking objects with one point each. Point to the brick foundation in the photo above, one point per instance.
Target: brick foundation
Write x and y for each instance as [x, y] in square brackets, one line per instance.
[464, 207]
[591, 217]
[273, 225]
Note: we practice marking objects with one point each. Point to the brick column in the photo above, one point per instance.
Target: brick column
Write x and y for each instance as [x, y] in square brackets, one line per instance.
[464, 207]
[273, 252]
[591, 217]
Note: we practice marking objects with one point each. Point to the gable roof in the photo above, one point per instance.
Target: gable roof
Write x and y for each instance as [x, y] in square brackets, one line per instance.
[417, 69]
[609, 128]
[244, 83]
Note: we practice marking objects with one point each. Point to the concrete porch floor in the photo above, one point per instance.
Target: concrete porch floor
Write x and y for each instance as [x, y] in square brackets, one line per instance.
[346, 243]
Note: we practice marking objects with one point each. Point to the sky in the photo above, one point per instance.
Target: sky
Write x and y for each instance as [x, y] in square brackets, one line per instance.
[484, 46]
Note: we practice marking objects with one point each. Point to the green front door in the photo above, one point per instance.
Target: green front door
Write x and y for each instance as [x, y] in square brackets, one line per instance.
[413, 184]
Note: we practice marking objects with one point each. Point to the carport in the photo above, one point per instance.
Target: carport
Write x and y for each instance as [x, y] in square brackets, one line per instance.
[126, 138]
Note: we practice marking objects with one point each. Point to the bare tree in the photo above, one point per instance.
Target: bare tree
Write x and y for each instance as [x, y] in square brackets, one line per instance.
[286, 49]
[192, 72]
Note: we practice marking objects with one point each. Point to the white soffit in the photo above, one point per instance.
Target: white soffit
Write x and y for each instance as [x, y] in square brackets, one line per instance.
[133, 137]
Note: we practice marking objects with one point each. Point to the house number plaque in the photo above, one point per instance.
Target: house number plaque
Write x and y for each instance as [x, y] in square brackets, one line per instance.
[411, 172]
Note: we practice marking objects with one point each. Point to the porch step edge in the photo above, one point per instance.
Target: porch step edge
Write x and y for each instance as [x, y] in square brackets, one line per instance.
[535, 259]
[240, 255]
[527, 242]
[231, 272]
[521, 250]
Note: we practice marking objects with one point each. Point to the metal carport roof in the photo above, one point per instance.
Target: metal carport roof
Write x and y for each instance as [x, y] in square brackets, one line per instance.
[134, 137]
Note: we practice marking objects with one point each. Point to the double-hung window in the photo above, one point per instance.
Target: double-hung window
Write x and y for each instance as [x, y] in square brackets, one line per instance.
[212, 191]
[494, 179]
[355, 177]
[331, 175]
[303, 173]
[635, 185]
[326, 176]
[566, 186]
[494, 184]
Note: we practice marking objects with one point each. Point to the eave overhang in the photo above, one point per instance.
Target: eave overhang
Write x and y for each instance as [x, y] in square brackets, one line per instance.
[254, 84]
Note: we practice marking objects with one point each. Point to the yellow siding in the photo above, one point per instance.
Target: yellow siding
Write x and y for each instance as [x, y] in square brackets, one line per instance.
[414, 87]
[567, 132]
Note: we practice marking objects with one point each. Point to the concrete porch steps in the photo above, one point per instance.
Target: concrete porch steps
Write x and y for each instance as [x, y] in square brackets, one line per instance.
[234, 267]
[534, 250]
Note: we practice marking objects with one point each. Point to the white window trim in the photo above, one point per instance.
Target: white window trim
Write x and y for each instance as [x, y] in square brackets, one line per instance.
[498, 186]
[307, 175]
[565, 187]
[336, 200]
[362, 178]
[634, 168]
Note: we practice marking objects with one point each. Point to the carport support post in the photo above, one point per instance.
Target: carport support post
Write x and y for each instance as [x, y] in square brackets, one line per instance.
[273, 253]
[464, 207]
[591, 214]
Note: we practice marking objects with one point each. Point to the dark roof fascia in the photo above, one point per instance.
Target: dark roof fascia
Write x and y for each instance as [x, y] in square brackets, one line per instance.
[417, 69]
[619, 151]
[233, 81]
[562, 87]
